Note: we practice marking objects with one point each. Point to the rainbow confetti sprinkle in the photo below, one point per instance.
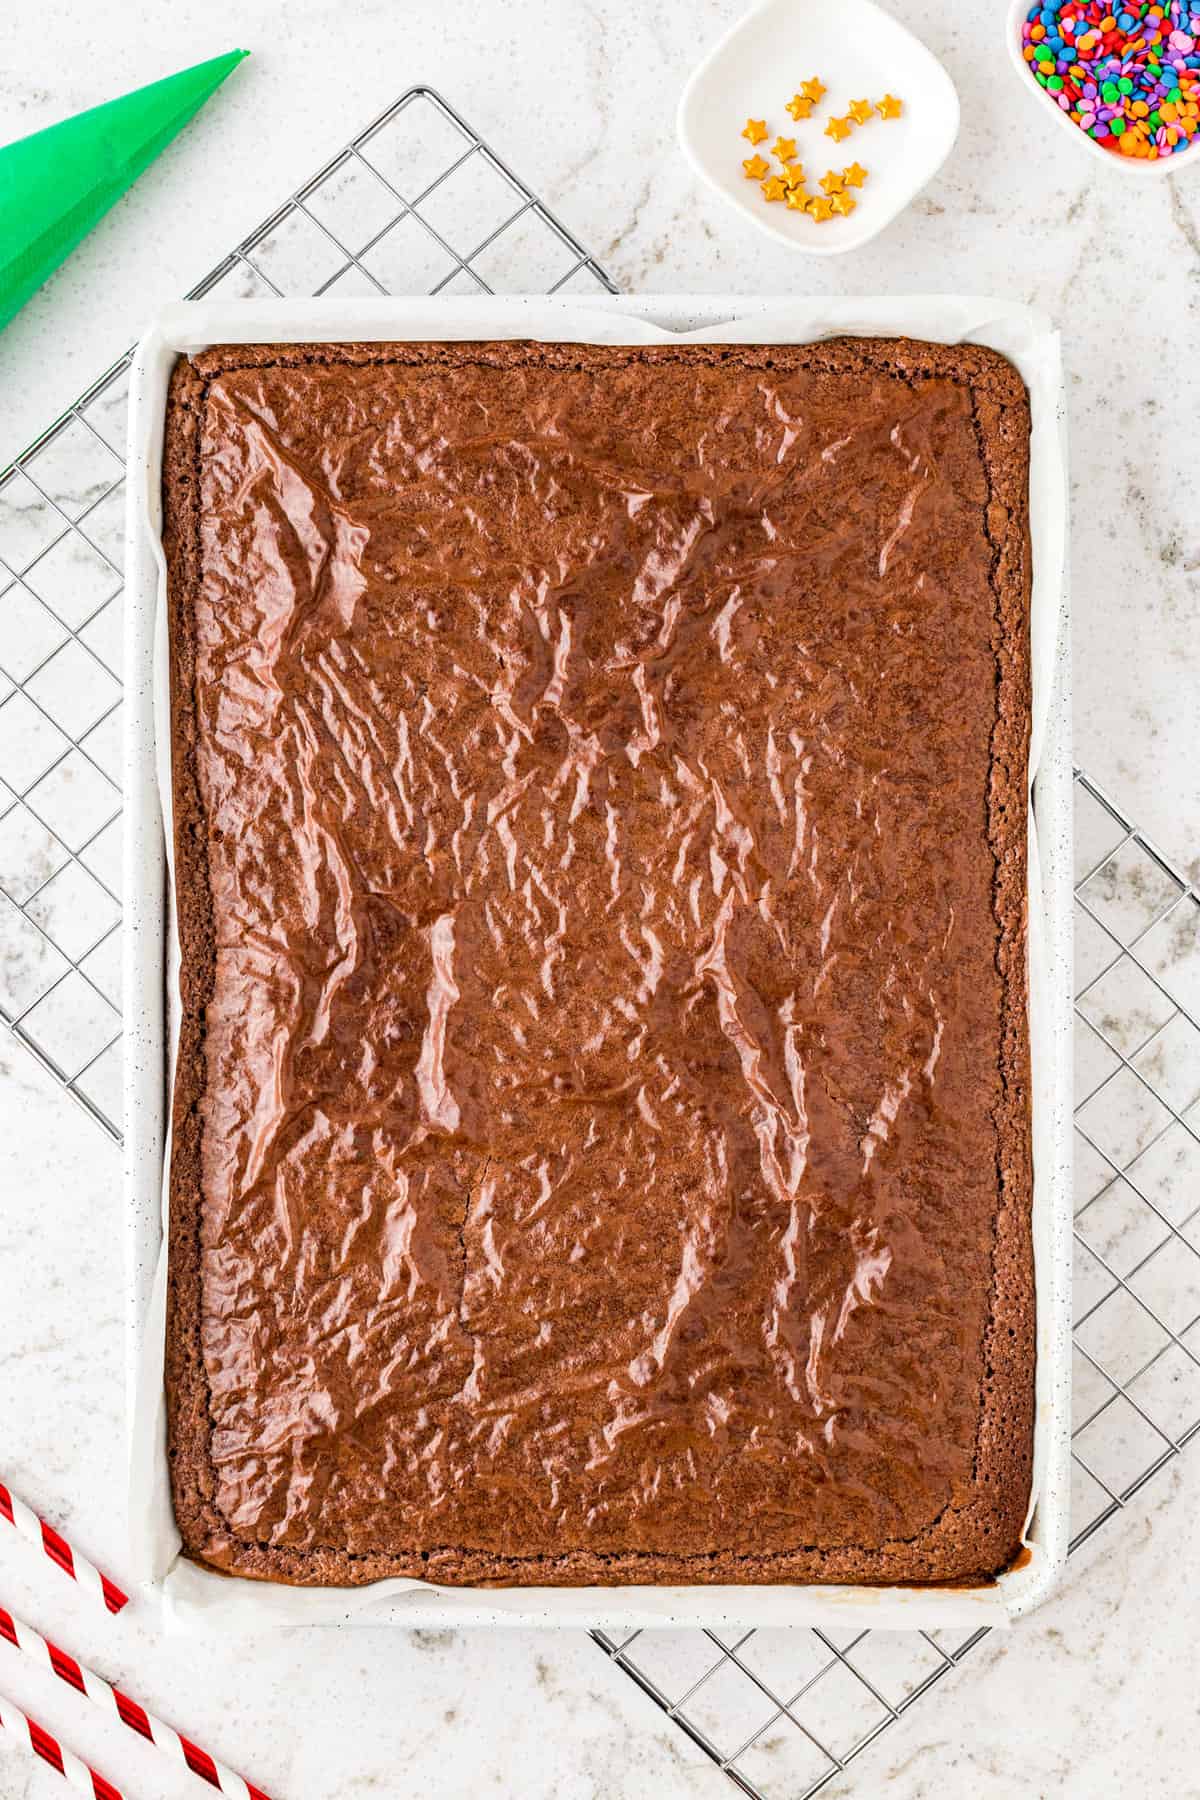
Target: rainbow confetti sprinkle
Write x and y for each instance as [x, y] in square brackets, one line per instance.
[1129, 77]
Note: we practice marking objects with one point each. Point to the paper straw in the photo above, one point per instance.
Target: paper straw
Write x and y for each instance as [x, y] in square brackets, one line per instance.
[62, 1554]
[118, 1705]
[34, 1738]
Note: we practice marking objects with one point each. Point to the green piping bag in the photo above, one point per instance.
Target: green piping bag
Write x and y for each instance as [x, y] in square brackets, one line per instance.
[58, 183]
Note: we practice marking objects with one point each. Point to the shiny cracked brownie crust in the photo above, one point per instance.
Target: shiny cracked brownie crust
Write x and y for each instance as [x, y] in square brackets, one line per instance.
[601, 1123]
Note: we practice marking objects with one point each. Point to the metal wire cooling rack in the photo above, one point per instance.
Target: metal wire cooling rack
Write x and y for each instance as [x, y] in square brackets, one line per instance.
[418, 202]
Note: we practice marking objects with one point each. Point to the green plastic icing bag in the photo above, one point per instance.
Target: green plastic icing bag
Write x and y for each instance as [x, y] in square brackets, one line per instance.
[57, 184]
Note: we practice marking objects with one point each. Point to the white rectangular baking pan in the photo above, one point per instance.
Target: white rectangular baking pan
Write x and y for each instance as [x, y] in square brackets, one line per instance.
[194, 1597]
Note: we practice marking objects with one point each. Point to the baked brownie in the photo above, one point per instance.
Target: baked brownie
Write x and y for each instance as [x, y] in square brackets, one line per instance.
[601, 1126]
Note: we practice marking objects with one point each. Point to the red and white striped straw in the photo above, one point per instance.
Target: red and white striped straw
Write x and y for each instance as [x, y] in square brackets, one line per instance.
[35, 1739]
[62, 1554]
[112, 1701]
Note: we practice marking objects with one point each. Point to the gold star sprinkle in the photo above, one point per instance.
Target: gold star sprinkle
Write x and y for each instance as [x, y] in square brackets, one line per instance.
[889, 107]
[837, 129]
[756, 167]
[775, 188]
[831, 182]
[799, 106]
[820, 209]
[860, 111]
[855, 175]
[844, 204]
[754, 130]
[784, 149]
[793, 174]
[812, 90]
[798, 199]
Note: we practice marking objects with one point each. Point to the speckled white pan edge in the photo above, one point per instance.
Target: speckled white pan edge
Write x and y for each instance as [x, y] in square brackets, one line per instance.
[195, 1599]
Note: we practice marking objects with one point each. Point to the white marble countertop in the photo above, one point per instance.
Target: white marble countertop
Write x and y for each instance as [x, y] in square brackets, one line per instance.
[1094, 1696]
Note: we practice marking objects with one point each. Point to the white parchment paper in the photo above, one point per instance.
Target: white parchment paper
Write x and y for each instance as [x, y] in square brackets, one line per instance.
[196, 1598]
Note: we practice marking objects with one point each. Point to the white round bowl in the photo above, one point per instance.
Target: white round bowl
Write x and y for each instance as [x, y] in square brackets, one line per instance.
[1018, 12]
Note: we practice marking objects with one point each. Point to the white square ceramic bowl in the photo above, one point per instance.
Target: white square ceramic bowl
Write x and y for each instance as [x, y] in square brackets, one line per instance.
[1018, 12]
[857, 50]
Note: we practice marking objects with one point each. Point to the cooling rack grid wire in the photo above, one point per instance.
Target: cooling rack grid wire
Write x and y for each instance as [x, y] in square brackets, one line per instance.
[419, 203]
